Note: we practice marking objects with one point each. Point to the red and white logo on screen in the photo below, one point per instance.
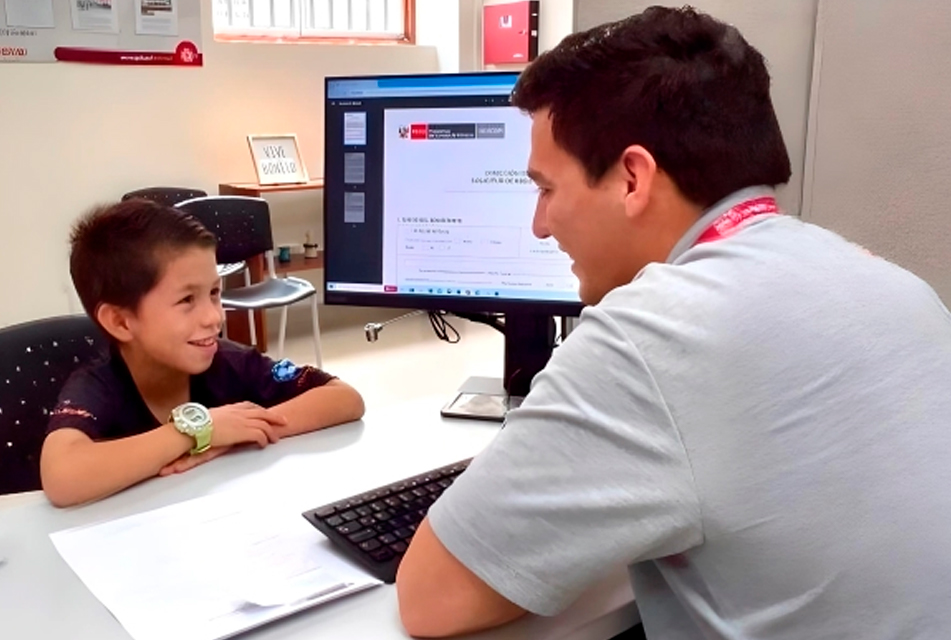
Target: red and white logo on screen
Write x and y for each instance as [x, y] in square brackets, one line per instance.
[418, 131]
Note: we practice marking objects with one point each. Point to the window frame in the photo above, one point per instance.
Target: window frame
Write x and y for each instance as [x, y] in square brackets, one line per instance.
[299, 35]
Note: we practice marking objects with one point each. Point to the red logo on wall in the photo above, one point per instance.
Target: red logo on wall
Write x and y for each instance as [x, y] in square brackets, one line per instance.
[418, 132]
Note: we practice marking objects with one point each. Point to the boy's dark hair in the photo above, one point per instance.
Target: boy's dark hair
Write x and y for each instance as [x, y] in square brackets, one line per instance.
[118, 251]
[685, 86]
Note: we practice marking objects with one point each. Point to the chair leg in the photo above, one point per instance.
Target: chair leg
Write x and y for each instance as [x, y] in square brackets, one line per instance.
[313, 308]
[252, 329]
[282, 334]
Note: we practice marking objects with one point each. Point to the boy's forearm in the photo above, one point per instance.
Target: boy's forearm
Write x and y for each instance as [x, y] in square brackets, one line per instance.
[84, 471]
[334, 403]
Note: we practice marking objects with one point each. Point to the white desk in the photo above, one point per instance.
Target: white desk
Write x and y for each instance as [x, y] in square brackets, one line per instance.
[40, 597]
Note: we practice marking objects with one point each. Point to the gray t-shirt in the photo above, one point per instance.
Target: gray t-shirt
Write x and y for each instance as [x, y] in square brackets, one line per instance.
[760, 428]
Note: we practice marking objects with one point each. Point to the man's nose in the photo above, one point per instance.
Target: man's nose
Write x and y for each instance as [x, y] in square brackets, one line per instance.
[540, 221]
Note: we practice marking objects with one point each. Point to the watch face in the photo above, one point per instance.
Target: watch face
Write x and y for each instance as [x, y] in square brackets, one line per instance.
[193, 417]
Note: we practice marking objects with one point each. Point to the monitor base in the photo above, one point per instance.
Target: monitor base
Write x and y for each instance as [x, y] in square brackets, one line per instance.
[481, 398]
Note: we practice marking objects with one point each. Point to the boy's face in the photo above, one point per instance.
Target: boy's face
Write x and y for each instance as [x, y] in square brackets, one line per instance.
[177, 322]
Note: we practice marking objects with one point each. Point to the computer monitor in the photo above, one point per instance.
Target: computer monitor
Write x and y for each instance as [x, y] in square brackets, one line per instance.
[427, 205]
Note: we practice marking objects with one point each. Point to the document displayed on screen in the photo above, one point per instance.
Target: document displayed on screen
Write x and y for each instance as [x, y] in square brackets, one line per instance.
[458, 207]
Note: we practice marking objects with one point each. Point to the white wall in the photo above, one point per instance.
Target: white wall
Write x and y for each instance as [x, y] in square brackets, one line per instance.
[74, 135]
[880, 133]
[437, 25]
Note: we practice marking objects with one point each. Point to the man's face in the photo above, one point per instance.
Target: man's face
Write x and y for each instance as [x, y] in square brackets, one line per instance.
[588, 221]
[176, 324]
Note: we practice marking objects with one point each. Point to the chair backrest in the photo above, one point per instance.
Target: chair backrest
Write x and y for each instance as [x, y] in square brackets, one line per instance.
[242, 225]
[169, 196]
[37, 359]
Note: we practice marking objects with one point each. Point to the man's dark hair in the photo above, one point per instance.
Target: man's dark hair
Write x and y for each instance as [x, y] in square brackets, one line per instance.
[118, 251]
[686, 87]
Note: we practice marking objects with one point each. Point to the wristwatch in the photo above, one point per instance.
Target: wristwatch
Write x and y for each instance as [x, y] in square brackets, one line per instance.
[194, 420]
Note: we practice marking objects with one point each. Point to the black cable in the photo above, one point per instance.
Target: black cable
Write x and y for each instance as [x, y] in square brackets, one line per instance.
[494, 320]
[442, 327]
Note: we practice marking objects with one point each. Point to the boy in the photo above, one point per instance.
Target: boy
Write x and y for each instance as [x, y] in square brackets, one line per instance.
[170, 395]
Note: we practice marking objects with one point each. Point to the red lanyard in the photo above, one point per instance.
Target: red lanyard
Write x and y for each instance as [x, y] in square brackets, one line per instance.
[734, 219]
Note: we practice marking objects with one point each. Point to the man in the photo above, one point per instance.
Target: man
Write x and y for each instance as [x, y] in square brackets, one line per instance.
[752, 413]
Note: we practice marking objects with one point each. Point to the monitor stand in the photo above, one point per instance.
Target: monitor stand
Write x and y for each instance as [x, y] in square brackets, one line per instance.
[529, 339]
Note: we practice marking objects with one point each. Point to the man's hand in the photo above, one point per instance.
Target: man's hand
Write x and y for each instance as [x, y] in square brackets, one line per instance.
[187, 461]
[244, 422]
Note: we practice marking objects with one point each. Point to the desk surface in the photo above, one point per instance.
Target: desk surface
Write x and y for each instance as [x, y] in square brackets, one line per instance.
[40, 597]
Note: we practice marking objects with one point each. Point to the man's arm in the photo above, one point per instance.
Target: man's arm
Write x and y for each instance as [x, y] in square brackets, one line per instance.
[333, 403]
[75, 469]
[440, 597]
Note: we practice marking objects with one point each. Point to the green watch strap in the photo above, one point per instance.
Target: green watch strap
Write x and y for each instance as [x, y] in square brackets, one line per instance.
[202, 441]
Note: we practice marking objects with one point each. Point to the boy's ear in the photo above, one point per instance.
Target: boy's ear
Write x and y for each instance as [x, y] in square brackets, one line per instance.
[115, 320]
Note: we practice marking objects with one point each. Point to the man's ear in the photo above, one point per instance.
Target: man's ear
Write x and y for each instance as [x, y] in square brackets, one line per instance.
[115, 320]
[638, 169]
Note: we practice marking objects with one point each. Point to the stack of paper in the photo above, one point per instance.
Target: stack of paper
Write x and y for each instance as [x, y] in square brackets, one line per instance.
[208, 568]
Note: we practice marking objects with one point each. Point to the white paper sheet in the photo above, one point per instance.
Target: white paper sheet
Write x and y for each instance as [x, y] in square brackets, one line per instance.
[36, 14]
[208, 568]
[95, 15]
[156, 17]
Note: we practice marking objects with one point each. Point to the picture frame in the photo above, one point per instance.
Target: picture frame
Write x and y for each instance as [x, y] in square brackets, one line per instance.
[277, 159]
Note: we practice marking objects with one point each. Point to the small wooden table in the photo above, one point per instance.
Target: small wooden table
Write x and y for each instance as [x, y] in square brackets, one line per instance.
[253, 190]
[238, 329]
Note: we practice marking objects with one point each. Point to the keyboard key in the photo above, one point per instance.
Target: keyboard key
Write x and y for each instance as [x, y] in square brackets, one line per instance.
[403, 533]
[393, 501]
[444, 483]
[367, 521]
[349, 528]
[335, 521]
[383, 527]
[388, 538]
[349, 515]
[382, 554]
[377, 506]
[370, 545]
[382, 515]
[399, 547]
[323, 512]
[419, 492]
[432, 487]
[406, 496]
[364, 511]
[360, 536]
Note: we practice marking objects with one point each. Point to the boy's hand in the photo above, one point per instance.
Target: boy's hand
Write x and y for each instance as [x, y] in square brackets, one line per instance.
[244, 422]
[187, 462]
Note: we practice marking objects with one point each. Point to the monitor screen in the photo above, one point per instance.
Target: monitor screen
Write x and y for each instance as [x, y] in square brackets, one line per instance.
[427, 203]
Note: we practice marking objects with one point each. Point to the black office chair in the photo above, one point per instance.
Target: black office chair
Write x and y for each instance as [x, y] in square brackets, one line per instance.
[37, 359]
[171, 196]
[243, 228]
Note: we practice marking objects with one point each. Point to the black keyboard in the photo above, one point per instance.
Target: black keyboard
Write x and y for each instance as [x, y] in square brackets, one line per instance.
[375, 528]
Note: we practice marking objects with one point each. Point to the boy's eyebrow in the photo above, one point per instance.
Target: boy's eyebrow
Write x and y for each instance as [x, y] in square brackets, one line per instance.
[194, 286]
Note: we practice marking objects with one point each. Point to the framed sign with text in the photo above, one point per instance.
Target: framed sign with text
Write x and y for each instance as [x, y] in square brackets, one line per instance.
[277, 159]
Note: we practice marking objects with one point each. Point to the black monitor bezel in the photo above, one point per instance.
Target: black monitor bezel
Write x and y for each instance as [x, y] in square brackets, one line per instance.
[455, 303]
